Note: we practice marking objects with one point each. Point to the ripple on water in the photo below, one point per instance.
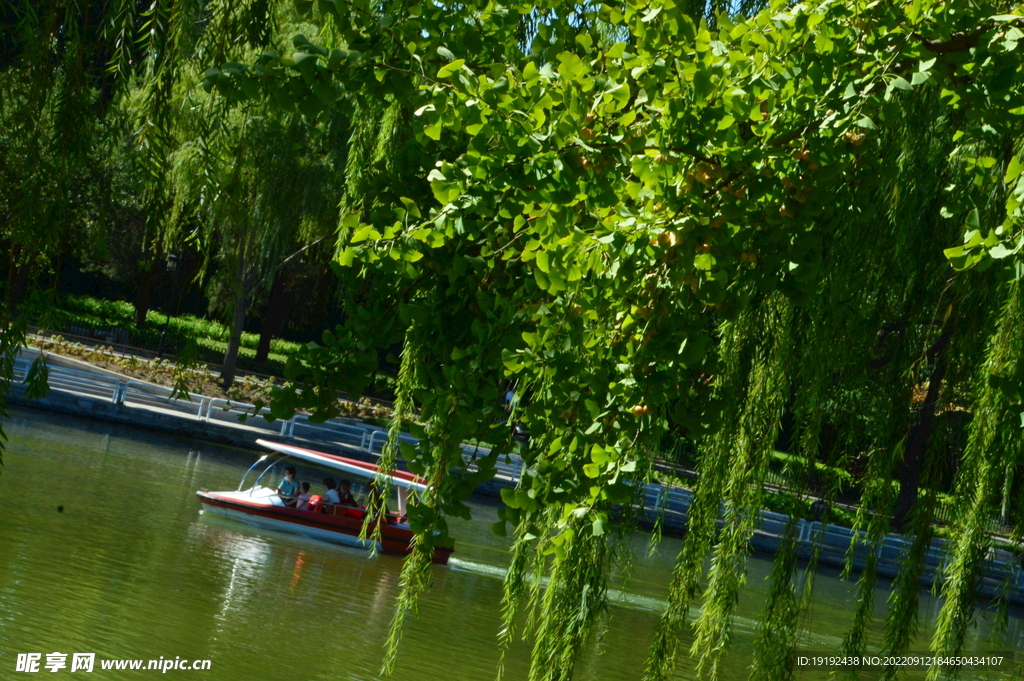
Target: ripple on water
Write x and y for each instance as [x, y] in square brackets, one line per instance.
[132, 569]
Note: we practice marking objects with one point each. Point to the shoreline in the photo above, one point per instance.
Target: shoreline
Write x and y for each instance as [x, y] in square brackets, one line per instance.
[104, 396]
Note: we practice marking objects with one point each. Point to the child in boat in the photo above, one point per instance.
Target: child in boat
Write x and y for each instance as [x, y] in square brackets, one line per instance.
[345, 494]
[330, 495]
[302, 503]
[289, 487]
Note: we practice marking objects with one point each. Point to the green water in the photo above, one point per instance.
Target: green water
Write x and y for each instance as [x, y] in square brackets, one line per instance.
[132, 569]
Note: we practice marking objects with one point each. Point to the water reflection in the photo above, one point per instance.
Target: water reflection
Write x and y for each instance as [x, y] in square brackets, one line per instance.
[246, 557]
[142, 573]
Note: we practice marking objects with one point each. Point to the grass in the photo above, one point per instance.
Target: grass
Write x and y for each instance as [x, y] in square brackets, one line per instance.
[197, 379]
[211, 336]
[98, 313]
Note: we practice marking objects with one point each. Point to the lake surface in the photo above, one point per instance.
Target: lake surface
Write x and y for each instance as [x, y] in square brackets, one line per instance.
[131, 569]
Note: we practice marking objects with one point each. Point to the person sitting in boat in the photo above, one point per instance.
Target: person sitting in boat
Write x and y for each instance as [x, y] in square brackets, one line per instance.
[302, 502]
[289, 487]
[345, 493]
[330, 495]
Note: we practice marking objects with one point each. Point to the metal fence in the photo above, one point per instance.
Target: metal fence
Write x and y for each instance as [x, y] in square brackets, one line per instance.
[139, 395]
[103, 333]
[1001, 566]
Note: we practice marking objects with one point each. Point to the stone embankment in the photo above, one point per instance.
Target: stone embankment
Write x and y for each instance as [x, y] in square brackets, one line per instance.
[80, 389]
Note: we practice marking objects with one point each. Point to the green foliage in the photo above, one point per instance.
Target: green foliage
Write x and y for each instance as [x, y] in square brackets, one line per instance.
[652, 219]
[666, 233]
[94, 313]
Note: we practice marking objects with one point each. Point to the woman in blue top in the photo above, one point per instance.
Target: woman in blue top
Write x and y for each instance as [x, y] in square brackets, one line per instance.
[289, 487]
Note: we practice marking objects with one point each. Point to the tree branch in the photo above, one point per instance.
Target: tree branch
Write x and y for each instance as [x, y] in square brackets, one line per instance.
[958, 42]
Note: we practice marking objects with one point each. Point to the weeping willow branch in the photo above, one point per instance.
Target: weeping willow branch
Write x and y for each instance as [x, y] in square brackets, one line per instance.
[415, 578]
[787, 603]
[403, 409]
[513, 592]
[777, 629]
[978, 479]
[744, 491]
[575, 596]
[702, 515]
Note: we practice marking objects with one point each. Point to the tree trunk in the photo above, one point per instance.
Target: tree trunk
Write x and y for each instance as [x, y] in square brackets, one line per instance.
[144, 284]
[57, 266]
[227, 373]
[8, 284]
[920, 433]
[1004, 510]
[19, 282]
[273, 317]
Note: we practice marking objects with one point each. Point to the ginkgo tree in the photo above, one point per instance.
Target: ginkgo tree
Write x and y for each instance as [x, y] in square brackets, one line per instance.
[657, 224]
[672, 220]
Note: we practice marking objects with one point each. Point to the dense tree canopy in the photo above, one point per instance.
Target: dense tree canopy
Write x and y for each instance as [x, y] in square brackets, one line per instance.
[665, 220]
[120, 158]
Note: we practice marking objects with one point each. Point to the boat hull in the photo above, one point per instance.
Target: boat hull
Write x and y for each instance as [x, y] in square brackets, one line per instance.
[260, 512]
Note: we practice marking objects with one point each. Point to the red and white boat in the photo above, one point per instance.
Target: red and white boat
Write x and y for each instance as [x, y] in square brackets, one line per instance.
[263, 507]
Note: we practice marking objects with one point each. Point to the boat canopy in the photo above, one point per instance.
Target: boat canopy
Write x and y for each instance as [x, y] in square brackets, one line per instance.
[401, 479]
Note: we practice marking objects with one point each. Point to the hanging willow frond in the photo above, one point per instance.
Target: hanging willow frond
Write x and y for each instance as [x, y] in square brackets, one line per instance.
[415, 578]
[768, 389]
[983, 461]
[703, 514]
[576, 594]
[404, 409]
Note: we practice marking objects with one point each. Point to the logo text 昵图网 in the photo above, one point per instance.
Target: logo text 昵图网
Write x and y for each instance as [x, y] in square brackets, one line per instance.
[86, 662]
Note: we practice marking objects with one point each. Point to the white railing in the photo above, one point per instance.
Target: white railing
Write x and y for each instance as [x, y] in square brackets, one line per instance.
[1000, 565]
[675, 498]
[160, 398]
[82, 383]
[508, 467]
[228, 411]
[328, 432]
[377, 439]
[136, 394]
[20, 370]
